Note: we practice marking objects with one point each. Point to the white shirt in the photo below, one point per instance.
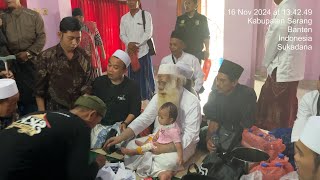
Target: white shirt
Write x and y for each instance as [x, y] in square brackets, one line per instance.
[189, 118]
[131, 30]
[290, 64]
[307, 108]
[193, 62]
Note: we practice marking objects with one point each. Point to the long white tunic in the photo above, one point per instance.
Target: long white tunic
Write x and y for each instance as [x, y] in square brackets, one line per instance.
[131, 30]
[193, 62]
[290, 64]
[307, 108]
[189, 120]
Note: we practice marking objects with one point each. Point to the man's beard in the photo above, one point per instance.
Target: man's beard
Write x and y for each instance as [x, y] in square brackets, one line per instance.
[171, 93]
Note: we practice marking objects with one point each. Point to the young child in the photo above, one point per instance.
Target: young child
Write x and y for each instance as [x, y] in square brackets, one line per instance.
[169, 132]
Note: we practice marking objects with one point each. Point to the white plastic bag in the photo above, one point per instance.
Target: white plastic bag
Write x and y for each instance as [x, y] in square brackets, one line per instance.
[256, 175]
[99, 134]
[115, 171]
[290, 176]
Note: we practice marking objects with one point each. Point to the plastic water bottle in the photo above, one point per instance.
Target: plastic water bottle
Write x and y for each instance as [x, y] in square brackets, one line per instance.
[282, 159]
[281, 156]
[270, 137]
[281, 171]
[264, 165]
[278, 165]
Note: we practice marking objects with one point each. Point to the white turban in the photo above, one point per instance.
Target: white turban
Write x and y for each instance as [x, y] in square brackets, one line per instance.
[8, 88]
[311, 133]
[186, 70]
[123, 56]
[170, 69]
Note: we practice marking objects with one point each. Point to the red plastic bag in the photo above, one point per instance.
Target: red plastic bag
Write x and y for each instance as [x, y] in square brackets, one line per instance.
[285, 161]
[274, 148]
[135, 65]
[250, 138]
[206, 68]
[270, 172]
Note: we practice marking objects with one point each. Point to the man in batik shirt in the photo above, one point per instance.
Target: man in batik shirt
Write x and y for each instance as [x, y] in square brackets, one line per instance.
[64, 70]
[90, 41]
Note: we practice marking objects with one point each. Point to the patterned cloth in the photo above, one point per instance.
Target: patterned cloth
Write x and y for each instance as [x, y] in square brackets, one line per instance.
[61, 81]
[169, 133]
[89, 40]
[277, 104]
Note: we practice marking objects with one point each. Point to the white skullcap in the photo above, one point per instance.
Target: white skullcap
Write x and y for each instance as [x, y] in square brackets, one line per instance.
[171, 69]
[310, 134]
[186, 70]
[8, 88]
[123, 56]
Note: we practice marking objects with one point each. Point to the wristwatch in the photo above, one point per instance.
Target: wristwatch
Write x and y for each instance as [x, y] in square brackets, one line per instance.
[123, 122]
[29, 55]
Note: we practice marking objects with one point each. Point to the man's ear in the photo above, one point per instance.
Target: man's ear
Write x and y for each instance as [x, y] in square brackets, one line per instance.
[60, 34]
[92, 114]
[235, 82]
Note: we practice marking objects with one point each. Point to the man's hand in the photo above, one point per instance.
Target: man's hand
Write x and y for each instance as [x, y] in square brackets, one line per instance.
[132, 47]
[112, 141]
[206, 55]
[22, 56]
[122, 127]
[6, 74]
[210, 146]
[101, 160]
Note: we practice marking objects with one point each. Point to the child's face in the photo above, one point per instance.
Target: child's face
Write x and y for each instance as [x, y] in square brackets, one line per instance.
[164, 118]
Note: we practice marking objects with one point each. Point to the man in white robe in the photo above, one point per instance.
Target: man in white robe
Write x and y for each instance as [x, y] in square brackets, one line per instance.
[178, 56]
[309, 106]
[161, 162]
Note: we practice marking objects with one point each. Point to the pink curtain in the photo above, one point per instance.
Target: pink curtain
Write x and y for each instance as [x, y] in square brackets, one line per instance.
[313, 57]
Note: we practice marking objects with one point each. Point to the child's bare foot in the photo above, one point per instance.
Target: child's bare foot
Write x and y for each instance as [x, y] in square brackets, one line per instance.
[129, 152]
[139, 143]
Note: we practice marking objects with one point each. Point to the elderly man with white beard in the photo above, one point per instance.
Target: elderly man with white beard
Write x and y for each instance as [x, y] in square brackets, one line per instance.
[161, 162]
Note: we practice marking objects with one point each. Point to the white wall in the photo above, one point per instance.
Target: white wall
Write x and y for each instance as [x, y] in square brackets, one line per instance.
[164, 15]
[56, 10]
[239, 39]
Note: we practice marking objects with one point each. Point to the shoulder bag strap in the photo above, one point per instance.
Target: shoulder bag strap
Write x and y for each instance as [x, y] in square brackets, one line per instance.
[144, 21]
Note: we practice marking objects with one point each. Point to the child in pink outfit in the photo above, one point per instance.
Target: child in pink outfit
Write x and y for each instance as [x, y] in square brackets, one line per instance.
[169, 132]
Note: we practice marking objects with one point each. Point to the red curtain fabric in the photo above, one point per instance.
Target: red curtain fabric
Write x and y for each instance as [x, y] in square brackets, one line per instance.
[3, 4]
[107, 15]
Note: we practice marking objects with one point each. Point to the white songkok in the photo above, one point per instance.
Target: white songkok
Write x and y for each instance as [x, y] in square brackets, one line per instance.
[311, 133]
[8, 88]
[186, 70]
[170, 69]
[123, 56]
